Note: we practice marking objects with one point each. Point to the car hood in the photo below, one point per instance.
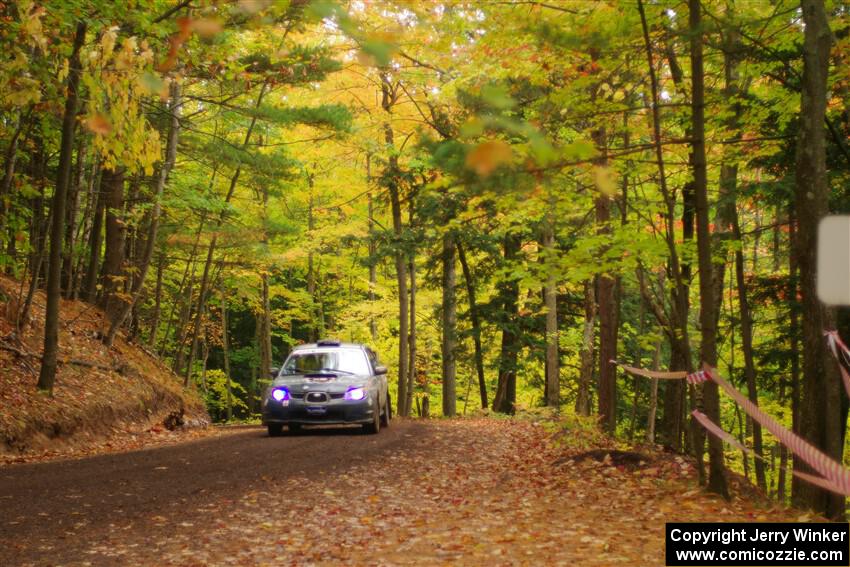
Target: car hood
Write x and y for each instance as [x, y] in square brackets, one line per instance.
[323, 382]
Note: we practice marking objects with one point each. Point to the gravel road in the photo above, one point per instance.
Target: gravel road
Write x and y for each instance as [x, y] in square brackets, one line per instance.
[56, 513]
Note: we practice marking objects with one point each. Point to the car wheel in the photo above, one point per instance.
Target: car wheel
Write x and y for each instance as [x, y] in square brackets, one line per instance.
[387, 414]
[275, 429]
[374, 426]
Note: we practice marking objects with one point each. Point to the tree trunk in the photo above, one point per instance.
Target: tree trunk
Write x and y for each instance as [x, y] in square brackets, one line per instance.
[315, 315]
[36, 263]
[749, 355]
[411, 339]
[587, 355]
[794, 333]
[85, 229]
[475, 322]
[182, 330]
[653, 396]
[47, 374]
[157, 303]
[388, 97]
[680, 356]
[9, 162]
[265, 335]
[708, 306]
[552, 389]
[116, 230]
[39, 223]
[504, 400]
[74, 189]
[252, 384]
[606, 298]
[38, 230]
[449, 312]
[820, 408]
[373, 256]
[411, 268]
[225, 347]
[728, 225]
[89, 292]
[638, 358]
[124, 308]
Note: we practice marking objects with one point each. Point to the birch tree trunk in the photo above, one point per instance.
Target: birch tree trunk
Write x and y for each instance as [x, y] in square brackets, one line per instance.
[587, 354]
[552, 393]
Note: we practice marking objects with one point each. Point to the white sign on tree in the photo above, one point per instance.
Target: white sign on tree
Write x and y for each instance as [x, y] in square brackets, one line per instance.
[833, 275]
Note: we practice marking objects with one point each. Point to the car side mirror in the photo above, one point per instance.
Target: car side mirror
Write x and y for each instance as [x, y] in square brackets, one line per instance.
[380, 370]
[274, 371]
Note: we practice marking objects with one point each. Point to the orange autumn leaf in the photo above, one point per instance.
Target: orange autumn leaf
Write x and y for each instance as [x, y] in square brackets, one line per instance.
[98, 124]
[487, 156]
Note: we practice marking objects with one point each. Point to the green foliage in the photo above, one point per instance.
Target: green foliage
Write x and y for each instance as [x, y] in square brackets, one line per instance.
[327, 116]
[215, 395]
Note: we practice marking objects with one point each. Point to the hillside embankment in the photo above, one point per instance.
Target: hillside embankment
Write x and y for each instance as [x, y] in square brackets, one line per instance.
[117, 398]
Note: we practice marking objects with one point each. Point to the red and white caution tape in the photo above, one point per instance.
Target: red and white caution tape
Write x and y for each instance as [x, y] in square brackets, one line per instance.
[831, 470]
[650, 373]
[835, 476]
[697, 377]
[693, 378]
[818, 481]
[723, 435]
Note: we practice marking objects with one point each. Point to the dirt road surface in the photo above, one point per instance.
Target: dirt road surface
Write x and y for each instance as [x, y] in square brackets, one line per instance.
[57, 513]
[444, 492]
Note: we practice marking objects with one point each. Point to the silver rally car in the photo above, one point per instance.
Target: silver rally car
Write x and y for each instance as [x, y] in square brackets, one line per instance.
[328, 382]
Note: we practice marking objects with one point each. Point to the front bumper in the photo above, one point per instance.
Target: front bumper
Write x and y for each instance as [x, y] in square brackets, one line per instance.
[334, 411]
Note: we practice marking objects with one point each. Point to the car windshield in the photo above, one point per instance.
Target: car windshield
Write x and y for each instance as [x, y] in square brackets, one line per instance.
[347, 360]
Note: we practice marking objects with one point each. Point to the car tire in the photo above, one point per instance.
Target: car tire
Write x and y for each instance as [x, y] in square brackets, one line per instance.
[387, 413]
[275, 429]
[374, 426]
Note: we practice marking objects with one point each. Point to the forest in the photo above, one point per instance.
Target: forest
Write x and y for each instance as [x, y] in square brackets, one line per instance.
[500, 197]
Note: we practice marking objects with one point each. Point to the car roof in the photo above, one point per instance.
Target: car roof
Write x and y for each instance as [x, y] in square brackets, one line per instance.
[329, 344]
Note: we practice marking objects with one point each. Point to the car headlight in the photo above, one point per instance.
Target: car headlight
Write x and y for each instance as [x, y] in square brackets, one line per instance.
[280, 394]
[355, 393]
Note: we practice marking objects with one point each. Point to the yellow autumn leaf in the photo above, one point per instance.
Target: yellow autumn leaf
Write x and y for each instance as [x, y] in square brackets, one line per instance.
[207, 27]
[603, 178]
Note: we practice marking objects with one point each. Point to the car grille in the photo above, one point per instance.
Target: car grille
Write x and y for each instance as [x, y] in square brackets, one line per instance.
[316, 397]
[333, 396]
